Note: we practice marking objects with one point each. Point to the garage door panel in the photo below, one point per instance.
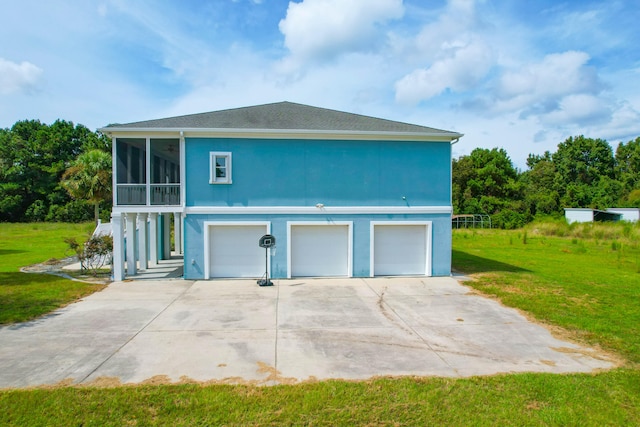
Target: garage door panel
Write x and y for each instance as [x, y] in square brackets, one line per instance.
[319, 250]
[399, 250]
[234, 251]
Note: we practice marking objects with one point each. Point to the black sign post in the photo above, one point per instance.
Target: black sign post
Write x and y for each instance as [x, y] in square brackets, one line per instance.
[267, 241]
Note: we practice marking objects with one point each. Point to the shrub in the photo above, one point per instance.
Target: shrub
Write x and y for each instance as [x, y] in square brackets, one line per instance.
[94, 254]
[550, 227]
[508, 219]
[73, 211]
[37, 212]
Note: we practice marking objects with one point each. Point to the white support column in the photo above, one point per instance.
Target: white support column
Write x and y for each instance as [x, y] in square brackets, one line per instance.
[183, 173]
[153, 238]
[166, 244]
[142, 241]
[131, 244]
[114, 175]
[177, 231]
[147, 170]
[117, 257]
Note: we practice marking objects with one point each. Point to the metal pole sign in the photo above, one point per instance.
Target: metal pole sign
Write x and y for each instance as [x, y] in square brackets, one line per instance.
[267, 241]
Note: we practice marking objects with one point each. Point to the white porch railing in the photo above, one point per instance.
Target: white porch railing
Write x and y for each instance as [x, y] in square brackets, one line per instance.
[165, 194]
[136, 194]
[131, 194]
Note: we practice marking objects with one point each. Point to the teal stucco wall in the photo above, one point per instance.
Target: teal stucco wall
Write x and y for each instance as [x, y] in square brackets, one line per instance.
[336, 173]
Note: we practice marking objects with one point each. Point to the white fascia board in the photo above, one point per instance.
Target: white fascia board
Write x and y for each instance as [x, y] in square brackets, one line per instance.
[282, 134]
[312, 210]
[148, 209]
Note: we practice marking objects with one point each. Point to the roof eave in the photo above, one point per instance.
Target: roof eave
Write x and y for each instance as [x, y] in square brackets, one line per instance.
[286, 133]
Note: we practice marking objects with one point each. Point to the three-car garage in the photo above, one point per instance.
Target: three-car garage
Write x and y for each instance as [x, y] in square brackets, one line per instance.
[318, 249]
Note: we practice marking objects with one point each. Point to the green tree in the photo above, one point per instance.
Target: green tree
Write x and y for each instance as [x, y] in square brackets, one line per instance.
[33, 157]
[583, 160]
[485, 182]
[581, 163]
[627, 165]
[27, 168]
[540, 198]
[89, 178]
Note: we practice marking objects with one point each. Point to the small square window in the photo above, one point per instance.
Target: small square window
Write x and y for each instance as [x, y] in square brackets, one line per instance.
[220, 168]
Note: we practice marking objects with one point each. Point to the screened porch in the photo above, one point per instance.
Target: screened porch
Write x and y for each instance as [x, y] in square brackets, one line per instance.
[147, 172]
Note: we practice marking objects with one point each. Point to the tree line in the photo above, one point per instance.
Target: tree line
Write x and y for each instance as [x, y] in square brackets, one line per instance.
[581, 173]
[53, 172]
[62, 172]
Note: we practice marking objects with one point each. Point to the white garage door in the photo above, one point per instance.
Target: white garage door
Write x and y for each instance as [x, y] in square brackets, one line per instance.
[319, 250]
[399, 250]
[234, 251]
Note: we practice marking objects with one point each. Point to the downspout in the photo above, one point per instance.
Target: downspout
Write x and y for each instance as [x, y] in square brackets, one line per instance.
[183, 171]
[453, 142]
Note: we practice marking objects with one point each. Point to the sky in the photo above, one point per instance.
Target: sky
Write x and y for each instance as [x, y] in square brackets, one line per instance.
[513, 74]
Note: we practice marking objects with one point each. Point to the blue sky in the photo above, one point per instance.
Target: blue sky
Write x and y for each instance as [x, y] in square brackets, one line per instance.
[521, 75]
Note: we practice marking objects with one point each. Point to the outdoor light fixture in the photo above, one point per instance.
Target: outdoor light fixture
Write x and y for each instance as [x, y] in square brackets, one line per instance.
[319, 205]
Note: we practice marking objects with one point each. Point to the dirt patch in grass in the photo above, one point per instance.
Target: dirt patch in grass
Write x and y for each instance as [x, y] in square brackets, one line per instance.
[56, 266]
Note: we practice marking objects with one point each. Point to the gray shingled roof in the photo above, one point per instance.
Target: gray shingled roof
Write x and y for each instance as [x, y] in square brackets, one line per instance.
[283, 116]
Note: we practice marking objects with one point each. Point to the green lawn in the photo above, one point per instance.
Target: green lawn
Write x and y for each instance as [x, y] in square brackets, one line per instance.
[524, 399]
[589, 286]
[25, 296]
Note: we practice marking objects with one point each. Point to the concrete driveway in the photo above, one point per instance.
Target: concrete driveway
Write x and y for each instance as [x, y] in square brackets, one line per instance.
[237, 332]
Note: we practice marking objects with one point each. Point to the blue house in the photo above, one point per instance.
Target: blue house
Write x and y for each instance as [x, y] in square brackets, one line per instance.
[342, 194]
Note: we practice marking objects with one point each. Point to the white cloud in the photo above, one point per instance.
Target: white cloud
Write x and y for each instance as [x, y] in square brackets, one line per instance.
[102, 10]
[578, 108]
[462, 70]
[23, 77]
[324, 29]
[457, 53]
[561, 88]
[624, 125]
[558, 74]
[451, 29]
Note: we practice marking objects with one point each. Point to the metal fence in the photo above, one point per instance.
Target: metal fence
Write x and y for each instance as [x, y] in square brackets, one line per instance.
[471, 221]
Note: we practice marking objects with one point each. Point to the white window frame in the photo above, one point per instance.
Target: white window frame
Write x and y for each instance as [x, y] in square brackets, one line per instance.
[213, 179]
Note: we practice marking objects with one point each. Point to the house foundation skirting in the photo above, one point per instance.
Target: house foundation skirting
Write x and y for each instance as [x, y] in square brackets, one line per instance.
[141, 239]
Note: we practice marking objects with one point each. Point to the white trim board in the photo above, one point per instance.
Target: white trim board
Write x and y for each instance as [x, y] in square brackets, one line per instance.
[147, 209]
[314, 210]
[285, 210]
[123, 132]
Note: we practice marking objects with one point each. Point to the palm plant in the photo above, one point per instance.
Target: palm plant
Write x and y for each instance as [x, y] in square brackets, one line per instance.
[89, 178]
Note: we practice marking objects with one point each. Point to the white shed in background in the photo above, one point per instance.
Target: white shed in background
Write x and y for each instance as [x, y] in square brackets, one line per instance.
[628, 214]
[590, 215]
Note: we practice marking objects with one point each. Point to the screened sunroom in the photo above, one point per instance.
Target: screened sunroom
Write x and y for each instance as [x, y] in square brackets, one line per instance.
[147, 172]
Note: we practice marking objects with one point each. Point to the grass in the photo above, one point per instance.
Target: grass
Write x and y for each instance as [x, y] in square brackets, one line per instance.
[523, 399]
[589, 286]
[580, 281]
[25, 296]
